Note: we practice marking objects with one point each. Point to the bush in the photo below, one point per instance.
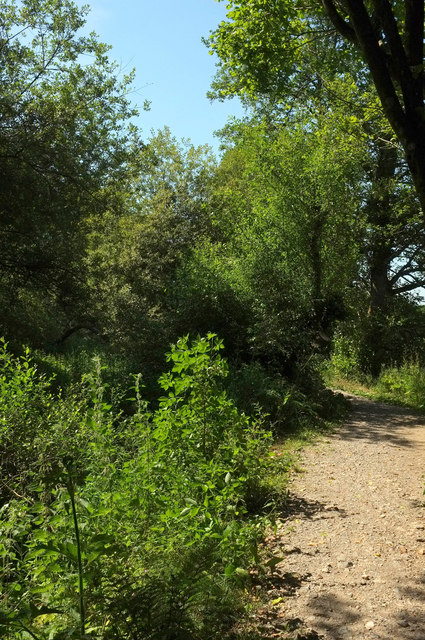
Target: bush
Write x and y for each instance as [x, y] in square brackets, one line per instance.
[404, 384]
[363, 346]
[289, 407]
[255, 390]
[126, 526]
[344, 361]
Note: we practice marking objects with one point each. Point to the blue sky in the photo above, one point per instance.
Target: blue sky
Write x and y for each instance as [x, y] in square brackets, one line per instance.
[161, 39]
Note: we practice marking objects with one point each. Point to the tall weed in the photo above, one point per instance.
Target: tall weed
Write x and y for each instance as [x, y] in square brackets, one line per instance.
[126, 526]
[404, 384]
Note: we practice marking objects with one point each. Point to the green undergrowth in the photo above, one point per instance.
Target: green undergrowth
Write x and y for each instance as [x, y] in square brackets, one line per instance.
[118, 524]
[402, 385]
[291, 409]
[397, 380]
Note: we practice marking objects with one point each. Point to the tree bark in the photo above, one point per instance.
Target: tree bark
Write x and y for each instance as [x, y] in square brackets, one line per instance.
[380, 286]
[379, 216]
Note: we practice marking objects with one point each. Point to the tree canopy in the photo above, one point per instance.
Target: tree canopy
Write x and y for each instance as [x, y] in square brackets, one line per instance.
[64, 137]
[263, 45]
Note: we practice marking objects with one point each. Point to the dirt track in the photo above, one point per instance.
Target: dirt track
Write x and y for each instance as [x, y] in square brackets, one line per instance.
[354, 540]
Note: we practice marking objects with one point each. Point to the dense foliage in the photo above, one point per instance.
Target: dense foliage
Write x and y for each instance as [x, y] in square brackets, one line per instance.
[262, 45]
[295, 64]
[137, 513]
[125, 526]
[65, 145]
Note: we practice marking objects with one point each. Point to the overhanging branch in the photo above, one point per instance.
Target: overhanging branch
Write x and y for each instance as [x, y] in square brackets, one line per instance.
[342, 26]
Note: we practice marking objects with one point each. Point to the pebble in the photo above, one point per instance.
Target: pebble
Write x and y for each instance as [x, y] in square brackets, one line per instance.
[373, 543]
[344, 564]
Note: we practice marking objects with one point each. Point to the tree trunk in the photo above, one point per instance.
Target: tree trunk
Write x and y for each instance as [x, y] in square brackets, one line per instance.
[380, 286]
[379, 217]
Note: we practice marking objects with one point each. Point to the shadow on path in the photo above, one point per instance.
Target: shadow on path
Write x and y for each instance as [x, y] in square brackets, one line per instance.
[296, 505]
[340, 616]
[378, 422]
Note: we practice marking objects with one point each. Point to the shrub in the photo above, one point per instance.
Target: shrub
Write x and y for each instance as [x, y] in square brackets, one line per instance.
[405, 384]
[344, 361]
[126, 526]
[289, 407]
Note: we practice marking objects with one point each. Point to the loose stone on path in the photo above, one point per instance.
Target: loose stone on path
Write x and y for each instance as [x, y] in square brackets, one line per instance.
[355, 538]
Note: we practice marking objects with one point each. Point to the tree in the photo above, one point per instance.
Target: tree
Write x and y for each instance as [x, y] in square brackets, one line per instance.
[286, 248]
[314, 72]
[134, 252]
[263, 45]
[393, 244]
[64, 139]
[390, 37]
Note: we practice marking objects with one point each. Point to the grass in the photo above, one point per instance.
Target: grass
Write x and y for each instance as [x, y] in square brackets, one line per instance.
[401, 386]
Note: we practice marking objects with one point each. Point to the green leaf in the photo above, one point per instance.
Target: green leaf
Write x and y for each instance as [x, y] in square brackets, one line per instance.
[273, 562]
[229, 570]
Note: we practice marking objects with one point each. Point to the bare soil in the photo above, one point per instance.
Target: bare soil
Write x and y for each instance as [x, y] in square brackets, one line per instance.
[353, 539]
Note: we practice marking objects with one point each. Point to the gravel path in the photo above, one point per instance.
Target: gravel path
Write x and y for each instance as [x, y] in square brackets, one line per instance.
[354, 542]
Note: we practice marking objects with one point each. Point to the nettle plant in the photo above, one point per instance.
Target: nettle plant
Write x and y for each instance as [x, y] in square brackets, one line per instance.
[201, 434]
[126, 526]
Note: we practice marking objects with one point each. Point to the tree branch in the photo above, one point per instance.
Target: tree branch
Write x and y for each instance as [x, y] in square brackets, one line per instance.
[69, 332]
[398, 56]
[415, 33]
[343, 27]
[376, 60]
[408, 287]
